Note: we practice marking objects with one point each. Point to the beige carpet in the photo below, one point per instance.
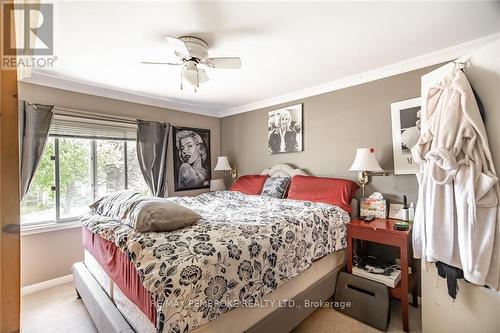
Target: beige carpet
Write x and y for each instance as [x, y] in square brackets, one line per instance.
[57, 310]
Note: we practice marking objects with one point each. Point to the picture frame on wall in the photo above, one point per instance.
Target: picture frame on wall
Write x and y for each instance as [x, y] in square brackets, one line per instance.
[191, 149]
[285, 130]
[405, 116]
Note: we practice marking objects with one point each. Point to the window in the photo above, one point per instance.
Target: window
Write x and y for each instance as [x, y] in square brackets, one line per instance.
[74, 172]
[39, 204]
[111, 172]
[75, 176]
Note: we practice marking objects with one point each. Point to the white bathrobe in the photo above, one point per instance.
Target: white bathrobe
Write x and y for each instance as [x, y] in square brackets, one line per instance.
[457, 219]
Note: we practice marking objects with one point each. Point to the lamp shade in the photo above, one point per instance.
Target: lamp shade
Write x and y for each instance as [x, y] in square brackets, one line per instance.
[222, 164]
[217, 185]
[365, 160]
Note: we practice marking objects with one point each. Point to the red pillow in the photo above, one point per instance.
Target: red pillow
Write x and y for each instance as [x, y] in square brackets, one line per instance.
[333, 191]
[250, 184]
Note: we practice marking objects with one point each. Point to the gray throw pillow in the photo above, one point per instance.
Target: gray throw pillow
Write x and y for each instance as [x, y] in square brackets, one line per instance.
[144, 213]
[275, 187]
[161, 215]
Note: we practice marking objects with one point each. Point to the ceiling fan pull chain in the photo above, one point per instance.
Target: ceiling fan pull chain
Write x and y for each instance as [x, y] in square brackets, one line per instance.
[182, 71]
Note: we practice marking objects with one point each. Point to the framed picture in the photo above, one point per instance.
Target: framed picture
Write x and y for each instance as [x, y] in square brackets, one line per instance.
[396, 211]
[405, 133]
[284, 130]
[192, 168]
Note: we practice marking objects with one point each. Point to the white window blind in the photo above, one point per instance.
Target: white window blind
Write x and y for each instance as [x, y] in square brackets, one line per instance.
[90, 127]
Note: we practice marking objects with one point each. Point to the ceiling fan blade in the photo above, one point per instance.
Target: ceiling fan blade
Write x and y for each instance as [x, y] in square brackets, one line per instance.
[228, 62]
[160, 63]
[178, 46]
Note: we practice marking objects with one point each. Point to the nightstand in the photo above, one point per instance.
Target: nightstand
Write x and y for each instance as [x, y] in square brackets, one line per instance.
[381, 231]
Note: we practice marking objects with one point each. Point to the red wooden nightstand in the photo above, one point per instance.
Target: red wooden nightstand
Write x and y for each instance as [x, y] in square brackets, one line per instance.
[382, 231]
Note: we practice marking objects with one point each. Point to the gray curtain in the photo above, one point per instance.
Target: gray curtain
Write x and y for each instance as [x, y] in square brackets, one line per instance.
[152, 144]
[34, 128]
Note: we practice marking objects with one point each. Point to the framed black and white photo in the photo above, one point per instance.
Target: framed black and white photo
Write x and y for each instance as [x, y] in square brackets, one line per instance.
[284, 130]
[405, 133]
[191, 158]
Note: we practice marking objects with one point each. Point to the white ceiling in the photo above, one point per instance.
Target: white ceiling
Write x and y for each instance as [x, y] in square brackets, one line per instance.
[285, 47]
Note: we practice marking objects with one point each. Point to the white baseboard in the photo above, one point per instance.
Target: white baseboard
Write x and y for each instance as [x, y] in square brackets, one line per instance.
[46, 284]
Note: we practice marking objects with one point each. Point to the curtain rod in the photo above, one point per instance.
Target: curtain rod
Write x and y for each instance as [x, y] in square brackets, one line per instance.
[92, 115]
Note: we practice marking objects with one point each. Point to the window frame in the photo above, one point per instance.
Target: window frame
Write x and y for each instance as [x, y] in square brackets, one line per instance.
[93, 157]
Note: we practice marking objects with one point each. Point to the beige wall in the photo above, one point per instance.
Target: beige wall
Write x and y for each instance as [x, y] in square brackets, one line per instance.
[50, 255]
[335, 124]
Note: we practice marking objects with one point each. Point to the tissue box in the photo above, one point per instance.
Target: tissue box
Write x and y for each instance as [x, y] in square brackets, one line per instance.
[375, 207]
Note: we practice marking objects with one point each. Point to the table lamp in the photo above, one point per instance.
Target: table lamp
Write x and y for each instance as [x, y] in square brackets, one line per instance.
[223, 165]
[366, 164]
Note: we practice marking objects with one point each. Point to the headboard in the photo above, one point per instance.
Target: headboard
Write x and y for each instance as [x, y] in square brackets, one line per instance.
[285, 170]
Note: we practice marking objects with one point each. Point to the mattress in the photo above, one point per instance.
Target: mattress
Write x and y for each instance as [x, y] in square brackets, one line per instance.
[243, 248]
[239, 319]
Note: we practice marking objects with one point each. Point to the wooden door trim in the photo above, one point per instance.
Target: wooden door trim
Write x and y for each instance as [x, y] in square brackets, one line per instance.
[9, 202]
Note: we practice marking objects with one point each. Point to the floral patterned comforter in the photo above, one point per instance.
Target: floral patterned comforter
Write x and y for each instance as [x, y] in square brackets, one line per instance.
[243, 248]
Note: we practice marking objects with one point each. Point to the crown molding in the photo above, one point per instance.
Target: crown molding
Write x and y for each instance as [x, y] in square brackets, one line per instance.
[54, 81]
[408, 65]
[429, 59]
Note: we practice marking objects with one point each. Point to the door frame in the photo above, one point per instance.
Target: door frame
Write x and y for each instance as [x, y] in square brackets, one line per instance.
[10, 287]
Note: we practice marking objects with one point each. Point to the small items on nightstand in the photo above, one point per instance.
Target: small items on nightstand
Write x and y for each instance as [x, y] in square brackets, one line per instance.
[411, 212]
[405, 212]
[402, 213]
[401, 226]
[375, 205]
[368, 218]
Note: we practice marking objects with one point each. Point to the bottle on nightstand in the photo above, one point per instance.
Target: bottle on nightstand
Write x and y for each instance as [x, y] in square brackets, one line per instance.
[411, 212]
[404, 211]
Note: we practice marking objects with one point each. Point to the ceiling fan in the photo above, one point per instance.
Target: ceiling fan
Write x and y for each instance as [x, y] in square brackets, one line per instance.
[193, 57]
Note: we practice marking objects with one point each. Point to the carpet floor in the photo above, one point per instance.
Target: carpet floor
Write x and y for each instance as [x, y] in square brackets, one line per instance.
[57, 310]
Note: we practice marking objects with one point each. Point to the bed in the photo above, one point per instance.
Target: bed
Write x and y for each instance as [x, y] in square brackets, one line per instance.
[251, 264]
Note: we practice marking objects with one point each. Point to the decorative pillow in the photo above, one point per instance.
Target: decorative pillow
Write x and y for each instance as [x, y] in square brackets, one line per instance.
[333, 191]
[160, 215]
[250, 184]
[116, 205]
[275, 187]
[143, 213]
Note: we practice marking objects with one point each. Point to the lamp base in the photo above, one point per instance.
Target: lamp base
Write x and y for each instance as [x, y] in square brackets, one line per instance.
[363, 180]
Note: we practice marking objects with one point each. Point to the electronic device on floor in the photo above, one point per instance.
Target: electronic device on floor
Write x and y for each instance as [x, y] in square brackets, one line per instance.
[376, 270]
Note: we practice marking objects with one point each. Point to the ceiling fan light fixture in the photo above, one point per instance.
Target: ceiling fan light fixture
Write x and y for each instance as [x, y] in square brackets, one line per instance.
[191, 76]
[193, 54]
